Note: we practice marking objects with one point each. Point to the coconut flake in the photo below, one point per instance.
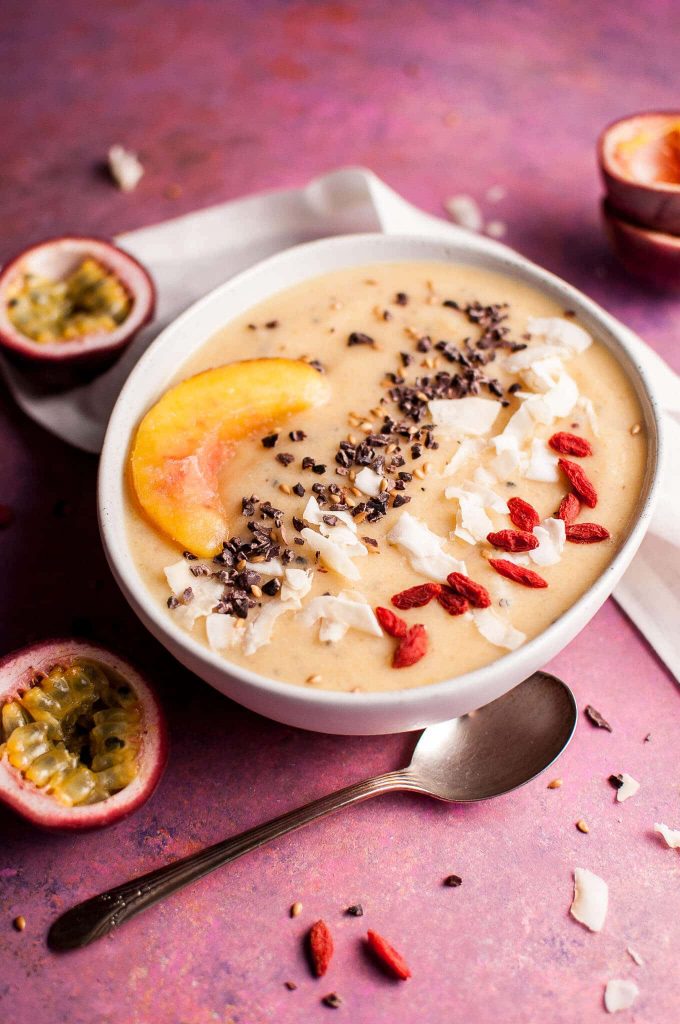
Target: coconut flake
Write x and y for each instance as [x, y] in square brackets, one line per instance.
[494, 629]
[552, 537]
[296, 585]
[671, 835]
[555, 330]
[469, 447]
[635, 956]
[591, 897]
[620, 994]
[125, 168]
[526, 357]
[223, 631]
[589, 409]
[424, 549]
[338, 614]
[368, 481]
[273, 567]
[472, 522]
[464, 211]
[509, 460]
[464, 417]
[542, 463]
[258, 631]
[206, 592]
[314, 514]
[335, 556]
[629, 787]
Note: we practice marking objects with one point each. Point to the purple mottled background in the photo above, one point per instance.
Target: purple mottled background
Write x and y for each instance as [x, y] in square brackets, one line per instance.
[222, 99]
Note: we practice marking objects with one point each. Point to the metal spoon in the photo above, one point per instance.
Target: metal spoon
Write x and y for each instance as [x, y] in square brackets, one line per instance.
[483, 754]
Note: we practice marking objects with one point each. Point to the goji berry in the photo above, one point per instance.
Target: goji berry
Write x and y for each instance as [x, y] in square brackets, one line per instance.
[569, 508]
[416, 597]
[391, 623]
[579, 482]
[587, 533]
[513, 540]
[570, 444]
[451, 602]
[517, 573]
[477, 595]
[523, 515]
[320, 947]
[412, 648]
[388, 956]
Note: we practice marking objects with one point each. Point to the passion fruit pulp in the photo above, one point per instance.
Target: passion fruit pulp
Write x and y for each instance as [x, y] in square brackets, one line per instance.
[82, 739]
[73, 300]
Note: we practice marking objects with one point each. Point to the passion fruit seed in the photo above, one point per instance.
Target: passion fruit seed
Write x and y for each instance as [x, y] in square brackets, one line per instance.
[75, 733]
[91, 300]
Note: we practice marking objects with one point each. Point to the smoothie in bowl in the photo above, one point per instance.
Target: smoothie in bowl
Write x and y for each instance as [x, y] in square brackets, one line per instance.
[384, 477]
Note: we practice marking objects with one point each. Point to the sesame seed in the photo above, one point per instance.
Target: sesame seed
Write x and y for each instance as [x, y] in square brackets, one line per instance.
[582, 826]
[555, 784]
[635, 429]
[296, 909]
[312, 680]
[19, 923]
[285, 489]
[255, 590]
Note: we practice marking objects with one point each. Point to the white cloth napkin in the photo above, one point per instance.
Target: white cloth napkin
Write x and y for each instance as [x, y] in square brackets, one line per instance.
[190, 255]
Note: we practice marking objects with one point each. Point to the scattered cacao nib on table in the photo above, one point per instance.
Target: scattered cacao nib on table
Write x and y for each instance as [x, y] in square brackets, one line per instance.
[596, 718]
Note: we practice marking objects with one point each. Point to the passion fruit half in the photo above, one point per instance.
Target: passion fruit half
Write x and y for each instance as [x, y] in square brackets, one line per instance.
[82, 735]
[639, 160]
[73, 300]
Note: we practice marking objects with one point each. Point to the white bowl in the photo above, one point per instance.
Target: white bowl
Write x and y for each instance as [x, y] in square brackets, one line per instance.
[324, 710]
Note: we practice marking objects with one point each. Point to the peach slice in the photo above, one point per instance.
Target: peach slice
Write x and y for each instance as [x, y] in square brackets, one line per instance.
[185, 439]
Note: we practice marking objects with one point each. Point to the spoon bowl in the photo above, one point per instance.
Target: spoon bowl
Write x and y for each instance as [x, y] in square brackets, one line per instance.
[500, 747]
[480, 755]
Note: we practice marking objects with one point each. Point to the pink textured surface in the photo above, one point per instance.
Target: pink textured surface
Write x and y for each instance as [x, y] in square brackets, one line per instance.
[438, 98]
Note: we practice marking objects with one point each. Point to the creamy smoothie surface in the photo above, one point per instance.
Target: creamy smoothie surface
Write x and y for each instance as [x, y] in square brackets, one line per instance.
[400, 425]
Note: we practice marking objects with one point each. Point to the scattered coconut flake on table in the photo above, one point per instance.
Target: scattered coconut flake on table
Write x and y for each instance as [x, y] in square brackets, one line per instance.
[464, 417]
[464, 211]
[591, 897]
[125, 168]
[335, 556]
[369, 482]
[635, 956]
[349, 610]
[628, 787]
[620, 994]
[494, 629]
[224, 631]
[424, 549]
[670, 835]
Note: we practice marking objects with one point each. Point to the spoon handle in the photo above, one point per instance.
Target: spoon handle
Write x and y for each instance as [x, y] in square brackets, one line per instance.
[95, 917]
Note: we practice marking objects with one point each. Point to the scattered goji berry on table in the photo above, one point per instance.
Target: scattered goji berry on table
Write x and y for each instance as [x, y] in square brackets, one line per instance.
[579, 482]
[412, 648]
[388, 956]
[320, 947]
[523, 515]
[513, 540]
[416, 597]
[391, 623]
[517, 573]
[451, 602]
[569, 508]
[570, 444]
[477, 595]
[587, 533]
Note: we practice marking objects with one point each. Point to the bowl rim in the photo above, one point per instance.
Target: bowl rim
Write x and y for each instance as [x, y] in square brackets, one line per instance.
[476, 250]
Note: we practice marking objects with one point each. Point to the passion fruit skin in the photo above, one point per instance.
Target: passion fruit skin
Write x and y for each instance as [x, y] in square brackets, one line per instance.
[93, 352]
[652, 256]
[654, 205]
[17, 670]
